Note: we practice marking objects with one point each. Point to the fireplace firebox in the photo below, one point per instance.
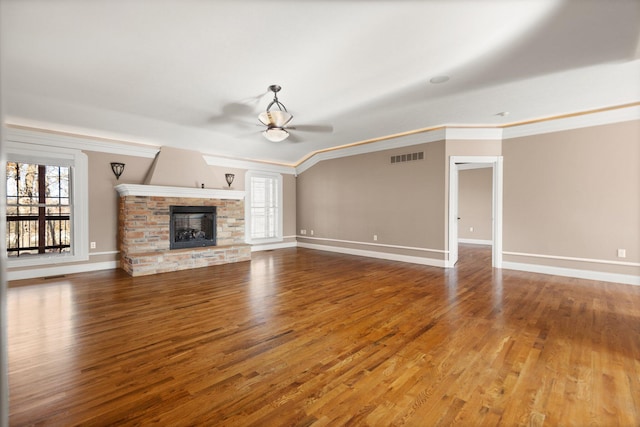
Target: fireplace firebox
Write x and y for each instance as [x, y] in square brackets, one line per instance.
[192, 226]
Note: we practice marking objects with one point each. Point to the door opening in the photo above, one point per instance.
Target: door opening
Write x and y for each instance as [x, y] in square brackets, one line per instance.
[457, 163]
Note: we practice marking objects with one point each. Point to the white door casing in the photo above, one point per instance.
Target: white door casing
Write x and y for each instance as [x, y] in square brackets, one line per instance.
[454, 167]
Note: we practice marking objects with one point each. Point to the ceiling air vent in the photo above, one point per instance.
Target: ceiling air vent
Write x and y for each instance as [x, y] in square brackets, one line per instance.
[407, 157]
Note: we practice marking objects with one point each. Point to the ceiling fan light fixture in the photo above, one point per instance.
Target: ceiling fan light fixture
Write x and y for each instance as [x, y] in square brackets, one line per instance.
[275, 134]
[275, 118]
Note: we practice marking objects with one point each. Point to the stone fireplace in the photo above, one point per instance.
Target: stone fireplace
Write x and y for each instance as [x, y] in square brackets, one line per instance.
[146, 229]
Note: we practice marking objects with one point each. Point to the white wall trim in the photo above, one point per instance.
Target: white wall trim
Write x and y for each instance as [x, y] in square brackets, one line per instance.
[567, 258]
[440, 251]
[52, 139]
[476, 241]
[572, 272]
[272, 246]
[103, 253]
[248, 164]
[472, 166]
[372, 254]
[573, 122]
[61, 270]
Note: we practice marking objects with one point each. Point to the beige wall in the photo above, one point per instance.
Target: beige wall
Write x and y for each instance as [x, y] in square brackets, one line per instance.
[354, 198]
[456, 147]
[475, 196]
[574, 194]
[103, 199]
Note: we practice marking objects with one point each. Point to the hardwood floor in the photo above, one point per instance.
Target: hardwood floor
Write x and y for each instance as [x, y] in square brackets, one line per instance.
[303, 337]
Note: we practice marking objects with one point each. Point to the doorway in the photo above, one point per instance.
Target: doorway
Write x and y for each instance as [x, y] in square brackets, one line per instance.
[456, 163]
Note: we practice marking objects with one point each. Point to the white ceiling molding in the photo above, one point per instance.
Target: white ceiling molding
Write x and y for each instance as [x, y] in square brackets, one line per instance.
[248, 165]
[482, 133]
[53, 139]
[451, 132]
[597, 118]
[438, 134]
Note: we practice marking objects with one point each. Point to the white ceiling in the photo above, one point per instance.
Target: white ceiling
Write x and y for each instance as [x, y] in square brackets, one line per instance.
[194, 73]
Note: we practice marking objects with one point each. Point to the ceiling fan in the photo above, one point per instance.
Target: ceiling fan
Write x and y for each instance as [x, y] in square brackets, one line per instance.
[276, 121]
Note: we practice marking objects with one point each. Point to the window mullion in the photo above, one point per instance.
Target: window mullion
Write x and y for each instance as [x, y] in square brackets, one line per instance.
[42, 210]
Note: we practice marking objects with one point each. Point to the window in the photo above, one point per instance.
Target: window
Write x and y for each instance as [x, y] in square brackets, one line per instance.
[46, 205]
[263, 207]
[38, 209]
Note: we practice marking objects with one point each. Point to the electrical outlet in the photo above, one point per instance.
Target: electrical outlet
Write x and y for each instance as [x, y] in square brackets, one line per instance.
[471, 229]
[93, 245]
[312, 232]
[622, 253]
[303, 232]
[375, 237]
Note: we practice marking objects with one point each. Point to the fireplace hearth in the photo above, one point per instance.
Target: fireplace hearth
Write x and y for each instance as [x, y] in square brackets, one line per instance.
[192, 226]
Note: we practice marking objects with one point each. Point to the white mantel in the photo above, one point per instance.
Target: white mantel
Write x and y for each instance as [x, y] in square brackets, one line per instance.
[164, 191]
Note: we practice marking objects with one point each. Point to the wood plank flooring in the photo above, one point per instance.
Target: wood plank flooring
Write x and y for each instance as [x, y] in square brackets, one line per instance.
[309, 338]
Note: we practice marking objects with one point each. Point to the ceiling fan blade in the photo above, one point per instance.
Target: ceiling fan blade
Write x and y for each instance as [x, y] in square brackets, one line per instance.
[293, 138]
[312, 128]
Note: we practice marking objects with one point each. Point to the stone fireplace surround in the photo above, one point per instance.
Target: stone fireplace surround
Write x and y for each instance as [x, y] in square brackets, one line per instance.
[143, 228]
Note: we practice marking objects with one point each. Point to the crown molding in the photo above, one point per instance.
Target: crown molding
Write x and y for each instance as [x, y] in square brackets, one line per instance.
[17, 133]
[602, 116]
[77, 142]
[248, 165]
[438, 134]
[573, 121]
[557, 123]
[405, 140]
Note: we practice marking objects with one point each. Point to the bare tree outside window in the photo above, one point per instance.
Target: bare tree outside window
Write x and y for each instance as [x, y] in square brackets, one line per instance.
[38, 209]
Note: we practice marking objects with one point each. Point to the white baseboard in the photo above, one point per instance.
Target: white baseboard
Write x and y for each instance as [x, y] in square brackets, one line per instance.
[271, 246]
[572, 272]
[373, 254]
[61, 269]
[476, 241]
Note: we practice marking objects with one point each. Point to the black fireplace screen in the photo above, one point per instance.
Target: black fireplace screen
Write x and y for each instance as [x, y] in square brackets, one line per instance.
[192, 226]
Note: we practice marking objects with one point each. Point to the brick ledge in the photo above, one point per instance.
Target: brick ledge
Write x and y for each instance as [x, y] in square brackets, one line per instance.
[163, 261]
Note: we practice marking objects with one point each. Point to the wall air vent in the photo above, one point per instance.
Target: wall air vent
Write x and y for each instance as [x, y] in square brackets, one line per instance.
[407, 157]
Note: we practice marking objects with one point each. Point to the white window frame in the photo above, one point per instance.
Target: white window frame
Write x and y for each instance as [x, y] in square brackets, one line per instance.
[247, 206]
[76, 160]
